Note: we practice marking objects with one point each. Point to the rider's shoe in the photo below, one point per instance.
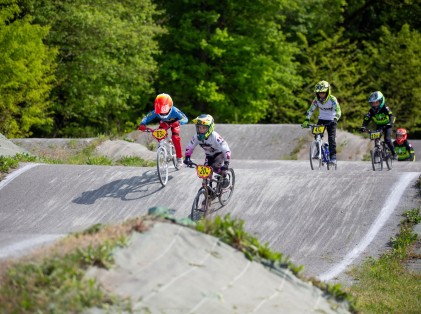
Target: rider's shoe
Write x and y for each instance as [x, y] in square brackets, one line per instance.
[333, 159]
[179, 162]
[395, 156]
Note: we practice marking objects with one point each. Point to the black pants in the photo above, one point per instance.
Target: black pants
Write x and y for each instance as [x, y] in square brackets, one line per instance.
[387, 131]
[331, 135]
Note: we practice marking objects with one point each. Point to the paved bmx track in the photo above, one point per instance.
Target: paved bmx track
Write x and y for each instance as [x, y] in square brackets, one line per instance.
[324, 220]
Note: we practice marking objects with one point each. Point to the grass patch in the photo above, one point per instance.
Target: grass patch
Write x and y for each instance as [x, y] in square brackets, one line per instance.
[85, 157]
[385, 285]
[53, 280]
[232, 233]
[294, 153]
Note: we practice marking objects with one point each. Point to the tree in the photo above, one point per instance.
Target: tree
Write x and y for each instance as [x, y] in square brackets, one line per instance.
[395, 70]
[227, 58]
[26, 73]
[336, 60]
[106, 66]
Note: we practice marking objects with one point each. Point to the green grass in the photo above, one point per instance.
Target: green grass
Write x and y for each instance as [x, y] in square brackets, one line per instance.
[84, 157]
[56, 283]
[385, 285]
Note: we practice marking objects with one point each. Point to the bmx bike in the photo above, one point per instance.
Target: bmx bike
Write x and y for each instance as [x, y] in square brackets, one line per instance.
[380, 151]
[165, 153]
[319, 151]
[214, 185]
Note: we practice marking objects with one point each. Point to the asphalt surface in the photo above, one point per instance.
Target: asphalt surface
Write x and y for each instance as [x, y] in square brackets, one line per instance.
[326, 221]
[322, 220]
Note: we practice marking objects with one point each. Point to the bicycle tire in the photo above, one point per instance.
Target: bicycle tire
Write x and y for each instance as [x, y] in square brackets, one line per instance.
[376, 159]
[200, 205]
[162, 165]
[174, 157]
[388, 158]
[226, 193]
[315, 161]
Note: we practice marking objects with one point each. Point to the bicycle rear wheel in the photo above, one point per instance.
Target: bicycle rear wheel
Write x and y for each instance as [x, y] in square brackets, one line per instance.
[376, 159]
[162, 165]
[227, 192]
[200, 205]
[315, 156]
[388, 158]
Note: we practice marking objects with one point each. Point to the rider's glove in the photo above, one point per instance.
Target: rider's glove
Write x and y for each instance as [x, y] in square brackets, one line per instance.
[142, 127]
[187, 161]
[305, 123]
[334, 121]
[225, 166]
[362, 129]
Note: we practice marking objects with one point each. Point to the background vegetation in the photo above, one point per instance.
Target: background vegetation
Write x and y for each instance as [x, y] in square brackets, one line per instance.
[73, 68]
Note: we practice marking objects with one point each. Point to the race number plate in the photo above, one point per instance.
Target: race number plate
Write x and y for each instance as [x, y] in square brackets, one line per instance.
[204, 172]
[318, 129]
[159, 134]
[374, 135]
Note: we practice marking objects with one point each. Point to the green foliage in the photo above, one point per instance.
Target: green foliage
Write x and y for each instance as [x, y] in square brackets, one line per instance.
[229, 59]
[106, 65]
[395, 70]
[335, 60]
[133, 161]
[231, 231]
[385, 285]
[35, 287]
[26, 73]
[11, 162]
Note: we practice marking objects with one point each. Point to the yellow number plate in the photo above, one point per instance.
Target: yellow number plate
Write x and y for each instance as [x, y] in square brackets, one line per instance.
[374, 135]
[159, 134]
[318, 129]
[204, 172]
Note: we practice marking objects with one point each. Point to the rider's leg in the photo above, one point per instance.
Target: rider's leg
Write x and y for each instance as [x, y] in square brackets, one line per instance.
[388, 139]
[331, 132]
[176, 139]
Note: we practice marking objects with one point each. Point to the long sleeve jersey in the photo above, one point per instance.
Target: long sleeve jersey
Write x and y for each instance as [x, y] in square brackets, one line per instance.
[175, 115]
[213, 145]
[405, 151]
[381, 118]
[328, 111]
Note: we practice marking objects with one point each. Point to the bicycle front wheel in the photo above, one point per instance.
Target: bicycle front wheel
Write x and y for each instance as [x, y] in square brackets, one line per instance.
[162, 165]
[376, 159]
[315, 155]
[200, 205]
[227, 192]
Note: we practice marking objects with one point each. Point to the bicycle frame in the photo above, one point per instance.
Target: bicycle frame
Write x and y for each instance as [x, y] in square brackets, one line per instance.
[201, 207]
[165, 153]
[380, 151]
[318, 145]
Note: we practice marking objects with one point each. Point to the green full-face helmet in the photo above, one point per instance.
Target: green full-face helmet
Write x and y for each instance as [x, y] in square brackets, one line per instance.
[322, 87]
[204, 120]
[376, 96]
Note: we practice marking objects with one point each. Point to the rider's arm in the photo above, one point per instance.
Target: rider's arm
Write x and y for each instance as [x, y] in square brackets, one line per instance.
[410, 150]
[191, 146]
[310, 110]
[180, 116]
[149, 117]
[337, 108]
[367, 118]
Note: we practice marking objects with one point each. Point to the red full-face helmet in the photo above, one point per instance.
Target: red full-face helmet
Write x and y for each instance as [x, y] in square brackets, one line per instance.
[163, 105]
[401, 136]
